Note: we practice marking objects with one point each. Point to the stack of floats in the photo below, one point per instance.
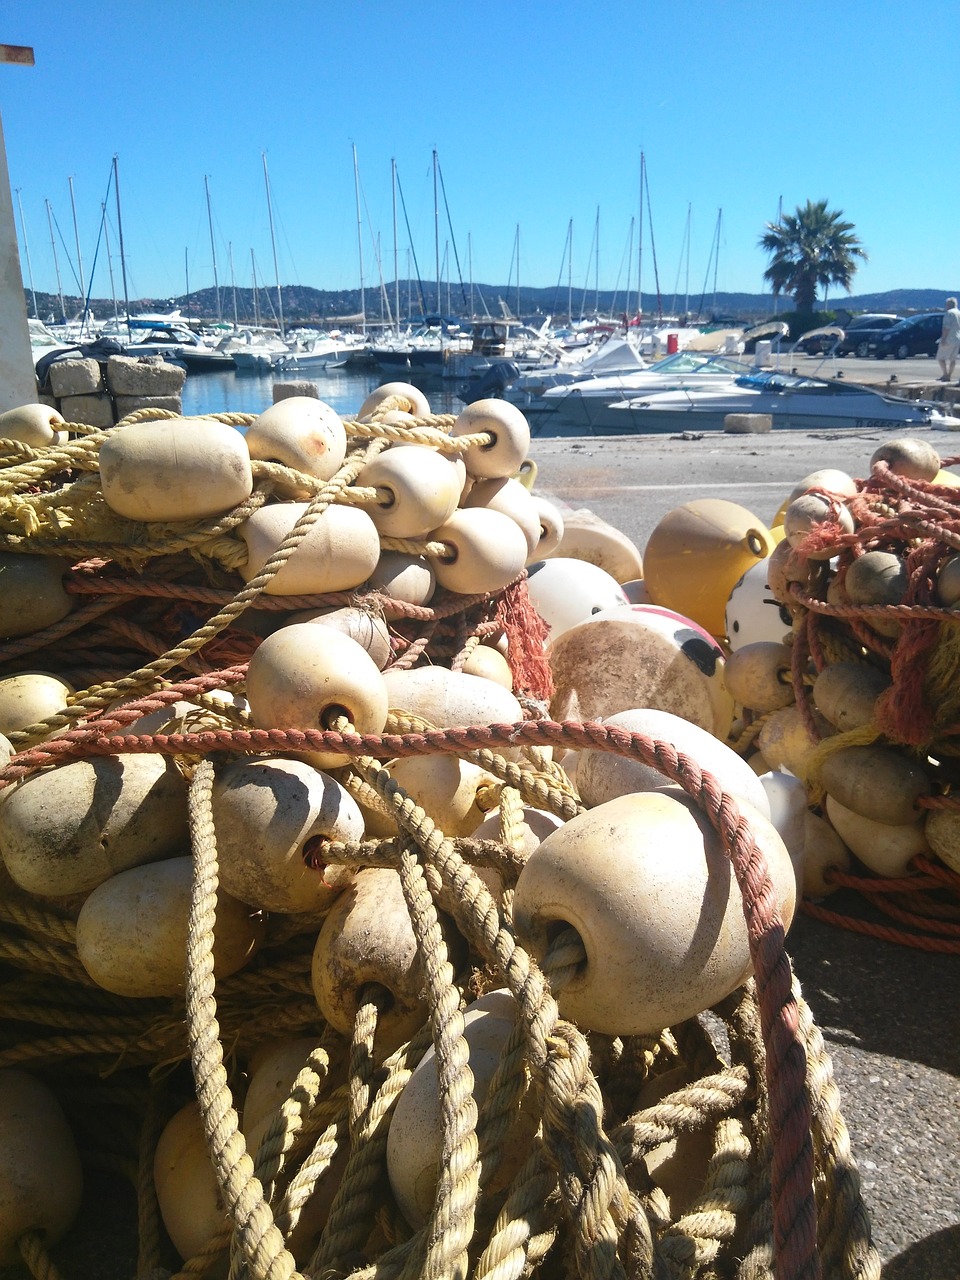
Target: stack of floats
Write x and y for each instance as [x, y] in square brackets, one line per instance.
[319, 930]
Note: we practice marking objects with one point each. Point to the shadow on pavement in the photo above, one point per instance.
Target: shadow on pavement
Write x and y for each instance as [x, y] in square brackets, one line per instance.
[936, 1258]
[876, 995]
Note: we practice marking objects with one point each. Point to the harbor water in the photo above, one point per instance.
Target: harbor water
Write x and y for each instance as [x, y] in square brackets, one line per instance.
[232, 391]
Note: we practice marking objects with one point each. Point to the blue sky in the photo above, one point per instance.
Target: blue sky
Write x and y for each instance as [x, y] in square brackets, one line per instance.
[539, 114]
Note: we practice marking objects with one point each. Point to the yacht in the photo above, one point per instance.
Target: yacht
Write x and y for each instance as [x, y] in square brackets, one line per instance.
[583, 407]
[793, 402]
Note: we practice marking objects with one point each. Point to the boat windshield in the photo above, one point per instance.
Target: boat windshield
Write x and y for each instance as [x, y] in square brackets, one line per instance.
[697, 362]
[774, 380]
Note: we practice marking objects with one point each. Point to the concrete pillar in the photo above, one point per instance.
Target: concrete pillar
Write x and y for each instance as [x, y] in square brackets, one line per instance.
[18, 383]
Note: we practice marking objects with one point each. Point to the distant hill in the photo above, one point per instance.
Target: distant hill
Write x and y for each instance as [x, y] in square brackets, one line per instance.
[303, 304]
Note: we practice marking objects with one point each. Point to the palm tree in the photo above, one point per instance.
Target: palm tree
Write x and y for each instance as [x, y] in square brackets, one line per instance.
[809, 248]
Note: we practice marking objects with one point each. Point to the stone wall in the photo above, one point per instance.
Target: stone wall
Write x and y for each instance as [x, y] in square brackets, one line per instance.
[99, 393]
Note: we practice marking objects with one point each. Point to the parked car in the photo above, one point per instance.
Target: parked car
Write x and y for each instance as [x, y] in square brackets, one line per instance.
[862, 330]
[915, 336]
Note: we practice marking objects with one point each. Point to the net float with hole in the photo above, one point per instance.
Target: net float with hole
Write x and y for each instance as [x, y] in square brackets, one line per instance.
[417, 490]
[270, 814]
[509, 443]
[566, 591]
[483, 550]
[132, 930]
[758, 676]
[305, 677]
[36, 425]
[66, 831]
[188, 1196]
[415, 1138]
[33, 595]
[603, 775]
[366, 950]
[339, 551]
[301, 433]
[176, 469]
[665, 937]
[640, 656]
[510, 498]
[31, 696]
[41, 1178]
[698, 552]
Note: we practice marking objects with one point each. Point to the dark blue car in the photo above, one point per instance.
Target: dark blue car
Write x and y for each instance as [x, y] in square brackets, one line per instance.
[915, 336]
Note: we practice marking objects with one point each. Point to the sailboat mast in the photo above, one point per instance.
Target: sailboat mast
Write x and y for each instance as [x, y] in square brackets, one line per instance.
[570, 272]
[106, 237]
[213, 246]
[76, 236]
[233, 284]
[123, 260]
[716, 260]
[256, 297]
[356, 188]
[436, 226]
[56, 263]
[396, 257]
[596, 278]
[273, 244]
[26, 251]
[470, 268]
[518, 271]
[629, 262]
[186, 274]
[643, 166]
[686, 300]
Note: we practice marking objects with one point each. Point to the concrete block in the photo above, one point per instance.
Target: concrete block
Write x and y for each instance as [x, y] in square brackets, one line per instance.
[94, 410]
[747, 424]
[48, 400]
[284, 390]
[128, 376]
[75, 378]
[130, 404]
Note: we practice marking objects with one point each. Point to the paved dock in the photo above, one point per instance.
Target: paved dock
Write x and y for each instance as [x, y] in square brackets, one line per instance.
[889, 1014]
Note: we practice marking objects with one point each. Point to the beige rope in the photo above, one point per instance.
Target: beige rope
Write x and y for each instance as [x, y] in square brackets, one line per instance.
[147, 677]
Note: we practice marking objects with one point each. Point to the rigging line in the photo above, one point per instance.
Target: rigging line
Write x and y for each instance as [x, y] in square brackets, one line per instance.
[96, 252]
[586, 278]
[706, 278]
[676, 283]
[453, 238]
[67, 252]
[627, 255]
[563, 260]
[416, 265]
[375, 242]
[653, 247]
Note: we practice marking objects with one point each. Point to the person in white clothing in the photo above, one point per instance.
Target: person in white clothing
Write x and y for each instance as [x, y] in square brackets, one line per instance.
[949, 346]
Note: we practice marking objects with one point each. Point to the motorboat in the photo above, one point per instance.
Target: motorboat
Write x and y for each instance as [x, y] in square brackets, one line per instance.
[583, 407]
[794, 402]
[424, 351]
[258, 352]
[312, 355]
[617, 357]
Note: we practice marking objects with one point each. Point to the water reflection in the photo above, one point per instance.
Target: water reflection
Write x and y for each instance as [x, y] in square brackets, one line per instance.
[344, 389]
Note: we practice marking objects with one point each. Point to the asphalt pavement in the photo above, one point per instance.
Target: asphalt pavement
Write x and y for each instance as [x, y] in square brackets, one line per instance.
[888, 1013]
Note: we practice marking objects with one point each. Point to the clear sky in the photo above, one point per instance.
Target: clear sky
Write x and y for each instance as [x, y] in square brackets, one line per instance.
[539, 113]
